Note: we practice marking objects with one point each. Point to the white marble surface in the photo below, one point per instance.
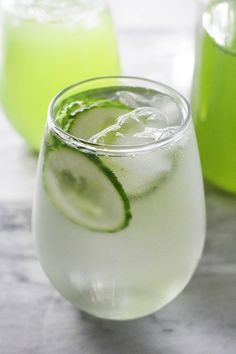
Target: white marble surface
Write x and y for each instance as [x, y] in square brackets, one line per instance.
[34, 319]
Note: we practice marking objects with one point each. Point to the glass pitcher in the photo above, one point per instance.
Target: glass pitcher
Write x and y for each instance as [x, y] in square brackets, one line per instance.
[214, 93]
[48, 45]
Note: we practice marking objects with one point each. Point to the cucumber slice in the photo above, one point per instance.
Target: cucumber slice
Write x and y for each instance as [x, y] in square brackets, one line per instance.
[141, 174]
[91, 121]
[138, 175]
[85, 190]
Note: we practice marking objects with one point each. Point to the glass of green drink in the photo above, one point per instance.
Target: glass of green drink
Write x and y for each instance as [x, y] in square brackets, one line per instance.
[48, 45]
[119, 213]
[214, 92]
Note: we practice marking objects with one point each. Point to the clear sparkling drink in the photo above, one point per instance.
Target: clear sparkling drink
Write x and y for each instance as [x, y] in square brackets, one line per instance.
[119, 214]
[48, 45]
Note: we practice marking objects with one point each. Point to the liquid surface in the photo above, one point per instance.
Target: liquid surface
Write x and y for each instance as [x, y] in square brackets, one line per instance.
[213, 99]
[130, 116]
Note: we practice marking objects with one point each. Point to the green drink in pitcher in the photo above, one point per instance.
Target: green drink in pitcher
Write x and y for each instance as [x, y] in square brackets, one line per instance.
[214, 94]
[48, 45]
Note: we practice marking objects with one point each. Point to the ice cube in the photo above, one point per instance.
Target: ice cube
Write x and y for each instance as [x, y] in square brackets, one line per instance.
[169, 108]
[162, 102]
[130, 99]
[142, 125]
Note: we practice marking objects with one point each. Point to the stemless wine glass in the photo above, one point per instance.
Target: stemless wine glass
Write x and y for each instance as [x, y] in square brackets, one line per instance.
[119, 212]
[47, 45]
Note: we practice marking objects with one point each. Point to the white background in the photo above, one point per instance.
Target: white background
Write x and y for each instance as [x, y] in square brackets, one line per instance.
[156, 39]
[155, 14]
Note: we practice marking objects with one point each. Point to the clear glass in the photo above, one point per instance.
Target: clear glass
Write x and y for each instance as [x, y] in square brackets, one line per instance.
[48, 45]
[139, 254]
[213, 94]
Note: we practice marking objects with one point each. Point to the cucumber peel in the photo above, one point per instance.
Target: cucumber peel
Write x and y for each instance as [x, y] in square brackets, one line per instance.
[85, 190]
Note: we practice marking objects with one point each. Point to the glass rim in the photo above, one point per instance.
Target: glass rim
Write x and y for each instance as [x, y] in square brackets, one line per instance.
[113, 150]
[40, 11]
